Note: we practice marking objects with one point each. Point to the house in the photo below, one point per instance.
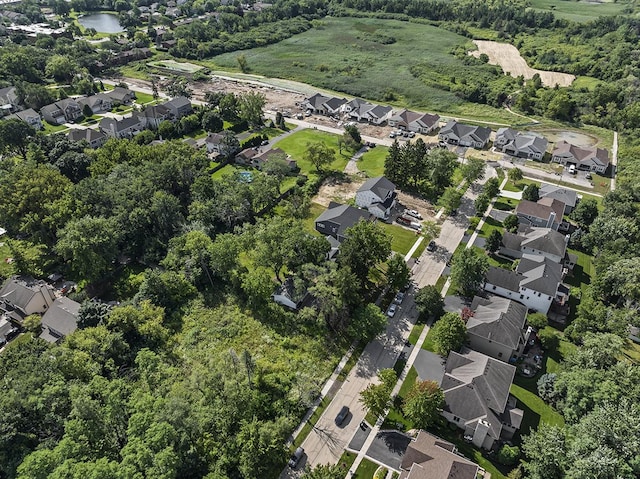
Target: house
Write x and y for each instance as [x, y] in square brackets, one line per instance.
[520, 145]
[536, 282]
[476, 394]
[429, 457]
[22, 296]
[544, 213]
[60, 320]
[336, 219]
[125, 128]
[354, 105]
[567, 196]
[259, 161]
[456, 133]
[538, 242]
[152, 116]
[498, 327]
[587, 159]
[178, 107]
[63, 111]
[378, 195]
[323, 105]
[216, 143]
[121, 96]
[358, 108]
[9, 100]
[417, 122]
[377, 115]
[246, 156]
[95, 138]
[29, 116]
[99, 103]
[292, 293]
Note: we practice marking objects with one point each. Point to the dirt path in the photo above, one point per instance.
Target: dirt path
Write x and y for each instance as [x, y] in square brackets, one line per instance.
[508, 57]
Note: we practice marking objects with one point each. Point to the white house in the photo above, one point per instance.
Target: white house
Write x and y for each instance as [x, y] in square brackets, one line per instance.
[29, 116]
[24, 296]
[537, 241]
[378, 196]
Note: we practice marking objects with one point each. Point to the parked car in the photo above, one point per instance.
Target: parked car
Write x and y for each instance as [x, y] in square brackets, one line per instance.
[392, 134]
[391, 312]
[295, 458]
[431, 246]
[403, 220]
[411, 134]
[413, 213]
[588, 176]
[264, 142]
[371, 144]
[415, 225]
[342, 415]
[399, 298]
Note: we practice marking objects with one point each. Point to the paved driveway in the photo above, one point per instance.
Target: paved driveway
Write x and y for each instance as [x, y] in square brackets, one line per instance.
[389, 447]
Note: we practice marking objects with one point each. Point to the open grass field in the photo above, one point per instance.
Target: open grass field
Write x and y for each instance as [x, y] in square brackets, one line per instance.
[402, 239]
[296, 146]
[178, 67]
[359, 57]
[372, 162]
[580, 11]
[366, 470]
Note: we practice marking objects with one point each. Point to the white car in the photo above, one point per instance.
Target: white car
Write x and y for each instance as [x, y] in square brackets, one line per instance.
[391, 312]
[413, 213]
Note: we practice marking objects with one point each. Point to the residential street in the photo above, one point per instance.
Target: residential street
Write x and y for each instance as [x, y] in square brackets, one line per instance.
[326, 442]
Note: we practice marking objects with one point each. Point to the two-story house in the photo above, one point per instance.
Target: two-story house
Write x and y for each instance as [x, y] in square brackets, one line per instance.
[337, 218]
[537, 242]
[476, 394]
[498, 327]
[62, 111]
[456, 133]
[99, 103]
[520, 145]
[218, 143]
[95, 138]
[125, 128]
[121, 96]
[412, 121]
[29, 116]
[9, 100]
[544, 213]
[536, 282]
[565, 195]
[22, 296]
[377, 195]
[152, 116]
[178, 107]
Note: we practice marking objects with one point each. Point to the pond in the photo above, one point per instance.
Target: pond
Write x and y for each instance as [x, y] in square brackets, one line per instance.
[102, 22]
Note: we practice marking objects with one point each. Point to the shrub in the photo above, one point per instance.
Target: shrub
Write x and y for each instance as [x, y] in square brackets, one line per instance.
[548, 339]
[508, 455]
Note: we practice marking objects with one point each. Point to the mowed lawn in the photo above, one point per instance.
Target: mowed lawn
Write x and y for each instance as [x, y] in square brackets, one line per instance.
[372, 162]
[402, 239]
[295, 145]
[375, 59]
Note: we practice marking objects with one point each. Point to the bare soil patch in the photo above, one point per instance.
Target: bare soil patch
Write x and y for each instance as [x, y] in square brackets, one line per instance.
[508, 57]
[423, 207]
[340, 191]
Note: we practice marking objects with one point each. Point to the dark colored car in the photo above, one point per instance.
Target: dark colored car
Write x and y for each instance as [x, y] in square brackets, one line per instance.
[295, 458]
[431, 246]
[342, 415]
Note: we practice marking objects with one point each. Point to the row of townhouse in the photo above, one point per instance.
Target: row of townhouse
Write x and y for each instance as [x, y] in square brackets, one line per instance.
[147, 119]
[511, 142]
[63, 111]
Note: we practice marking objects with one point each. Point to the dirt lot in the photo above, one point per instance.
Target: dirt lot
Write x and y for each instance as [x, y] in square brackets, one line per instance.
[508, 57]
[337, 191]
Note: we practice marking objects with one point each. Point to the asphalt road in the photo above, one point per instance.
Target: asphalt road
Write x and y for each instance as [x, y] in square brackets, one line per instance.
[326, 442]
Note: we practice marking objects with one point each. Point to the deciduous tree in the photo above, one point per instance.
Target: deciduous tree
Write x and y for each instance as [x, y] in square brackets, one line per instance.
[493, 241]
[449, 333]
[422, 403]
[429, 302]
[377, 397]
[319, 155]
[468, 269]
[366, 245]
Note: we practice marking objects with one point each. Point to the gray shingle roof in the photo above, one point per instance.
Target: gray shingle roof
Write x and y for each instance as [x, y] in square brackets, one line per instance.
[62, 316]
[476, 386]
[503, 278]
[462, 130]
[543, 239]
[380, 185]
[344, 215]
[567, 196]
[540, 274]
[498, 319]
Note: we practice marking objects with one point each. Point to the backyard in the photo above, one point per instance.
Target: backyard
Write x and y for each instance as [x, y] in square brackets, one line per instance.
[372, 162]
[295, 146]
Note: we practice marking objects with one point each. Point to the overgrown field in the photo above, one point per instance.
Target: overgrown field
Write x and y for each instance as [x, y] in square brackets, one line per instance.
[384, 60]
[580, 11]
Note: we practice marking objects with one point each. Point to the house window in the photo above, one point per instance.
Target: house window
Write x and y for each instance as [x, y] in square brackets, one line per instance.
[522, 296]
[494, 287]
[499, 355]
[456, 418]
[539, 294]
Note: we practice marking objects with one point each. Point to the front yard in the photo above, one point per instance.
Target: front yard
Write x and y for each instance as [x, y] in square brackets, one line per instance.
[295, 145]
[372, 162]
